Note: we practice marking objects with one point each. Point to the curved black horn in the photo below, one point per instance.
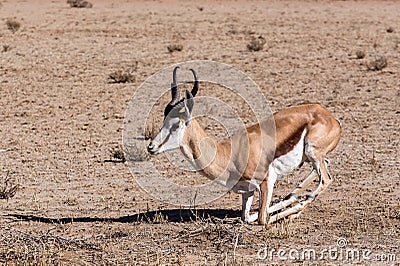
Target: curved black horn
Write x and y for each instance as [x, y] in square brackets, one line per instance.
[174, 88]
[196, 83]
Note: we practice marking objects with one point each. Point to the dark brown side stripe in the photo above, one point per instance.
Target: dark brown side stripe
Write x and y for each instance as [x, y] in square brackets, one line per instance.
[289, 145]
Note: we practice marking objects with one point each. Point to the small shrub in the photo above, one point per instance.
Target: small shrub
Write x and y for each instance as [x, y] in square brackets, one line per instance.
[283, 229]
[13, 25]
[360, 54]
[6, 48]
[8, 189]
[159, 218]
[124, 76]
[79, 3]
[151, 130]
[377, 64]
[256, 44]
[135, 153]
[18, 247]
[121, 76]
[174, 47]
[118, 154]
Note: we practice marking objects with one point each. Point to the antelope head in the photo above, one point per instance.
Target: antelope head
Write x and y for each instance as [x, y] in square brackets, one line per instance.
[177, 117]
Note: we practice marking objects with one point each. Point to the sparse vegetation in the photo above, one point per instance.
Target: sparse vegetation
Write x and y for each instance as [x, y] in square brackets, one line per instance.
[8, 188]
[71, 202]
[121, 76]
[282, 228]
[256, 43]
[377, 64]
[6, 48]
[151, 130]
[225, 234]
[360, 54]
[13, 25]
[118, 154]
[79, 3]
[174, 47]
[158, 218]
[136, 154]
[21, 248]
[374, 163]
[124, 76]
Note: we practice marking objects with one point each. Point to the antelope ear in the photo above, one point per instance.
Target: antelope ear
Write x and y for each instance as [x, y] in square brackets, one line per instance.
[189, 103]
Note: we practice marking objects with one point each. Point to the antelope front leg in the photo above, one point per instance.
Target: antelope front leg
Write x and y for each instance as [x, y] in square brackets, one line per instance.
[266, 189]
[247, 200]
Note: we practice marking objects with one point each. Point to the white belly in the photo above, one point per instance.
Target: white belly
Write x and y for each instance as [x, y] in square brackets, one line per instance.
[285, 164]
[279, 167]
[246, 186]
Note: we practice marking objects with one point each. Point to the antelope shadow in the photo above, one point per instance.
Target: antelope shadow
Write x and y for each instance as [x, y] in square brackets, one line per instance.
[170, 215]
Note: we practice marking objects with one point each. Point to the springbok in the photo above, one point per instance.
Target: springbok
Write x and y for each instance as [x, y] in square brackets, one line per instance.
[305, 133]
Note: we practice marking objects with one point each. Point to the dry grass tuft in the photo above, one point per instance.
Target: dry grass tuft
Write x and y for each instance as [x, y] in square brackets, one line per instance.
[124, 76]
[151, 130]
[21, 248]
[13, 25]
[71, 202]
[79, 3]
[136, 154]
[159, 218]
[374, 163]
[8, 189]
[390, 30]
[225, 235]
[282, 228]
[121, 76]
[377, 64]
[174, 47]
[256, 43]
[118, 154]
[360, 54]
[6, 48]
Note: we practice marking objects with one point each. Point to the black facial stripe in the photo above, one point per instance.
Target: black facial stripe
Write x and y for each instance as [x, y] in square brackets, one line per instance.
[169, 107]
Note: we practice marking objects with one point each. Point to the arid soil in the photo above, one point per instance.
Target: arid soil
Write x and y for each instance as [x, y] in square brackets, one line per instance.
[61, 123]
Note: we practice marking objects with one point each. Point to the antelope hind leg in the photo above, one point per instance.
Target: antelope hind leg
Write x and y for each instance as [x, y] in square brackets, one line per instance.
[294, 196]
[295, 211]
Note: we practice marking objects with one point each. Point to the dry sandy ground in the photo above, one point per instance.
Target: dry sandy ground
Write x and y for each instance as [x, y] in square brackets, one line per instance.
[60, 118]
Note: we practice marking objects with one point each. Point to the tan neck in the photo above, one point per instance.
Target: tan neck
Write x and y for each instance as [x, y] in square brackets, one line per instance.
[207, 156]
